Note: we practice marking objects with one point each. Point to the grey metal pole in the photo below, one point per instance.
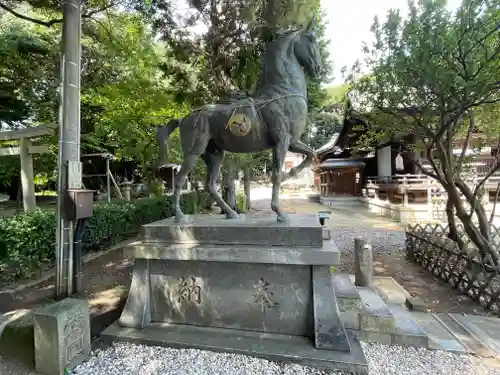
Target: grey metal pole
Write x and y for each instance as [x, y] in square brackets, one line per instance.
[70, 171]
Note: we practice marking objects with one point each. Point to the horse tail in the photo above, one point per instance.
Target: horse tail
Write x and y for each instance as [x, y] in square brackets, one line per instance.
[162, 134]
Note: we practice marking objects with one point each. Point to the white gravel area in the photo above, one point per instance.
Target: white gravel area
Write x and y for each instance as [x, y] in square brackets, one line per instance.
[382, 240]
[129, 359]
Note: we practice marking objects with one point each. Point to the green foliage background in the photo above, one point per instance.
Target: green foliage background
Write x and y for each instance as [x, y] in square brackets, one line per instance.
[27, 242]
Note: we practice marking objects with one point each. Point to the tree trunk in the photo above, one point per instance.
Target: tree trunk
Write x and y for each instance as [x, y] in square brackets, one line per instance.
[246, 187]
[13, 189]
[483, 244]
[209, 200]
[229, 187]
[494, 208]
[452, 225]
[478, 208]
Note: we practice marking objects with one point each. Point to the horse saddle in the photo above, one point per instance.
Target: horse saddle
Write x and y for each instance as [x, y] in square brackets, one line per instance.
[235, 95]
[242, 116]
[240, 112]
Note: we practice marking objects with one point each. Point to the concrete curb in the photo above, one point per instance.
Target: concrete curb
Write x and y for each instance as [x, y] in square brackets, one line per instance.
[19, 287]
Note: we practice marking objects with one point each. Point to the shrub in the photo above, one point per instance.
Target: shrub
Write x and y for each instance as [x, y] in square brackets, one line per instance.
[27, 242]
[241, 201]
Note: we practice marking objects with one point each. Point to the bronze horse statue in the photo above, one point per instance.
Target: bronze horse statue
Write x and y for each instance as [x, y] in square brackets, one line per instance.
[274, 117]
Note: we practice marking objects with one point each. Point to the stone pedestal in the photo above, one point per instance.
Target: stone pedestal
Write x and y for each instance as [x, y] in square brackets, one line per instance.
[250, 286]
[62, 336]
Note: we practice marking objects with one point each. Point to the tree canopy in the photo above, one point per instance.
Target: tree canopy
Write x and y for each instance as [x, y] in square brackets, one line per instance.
[142, 64]
[435, 75]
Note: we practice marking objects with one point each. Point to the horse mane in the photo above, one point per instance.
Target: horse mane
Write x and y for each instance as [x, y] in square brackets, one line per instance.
[281, 42]
[275, 49]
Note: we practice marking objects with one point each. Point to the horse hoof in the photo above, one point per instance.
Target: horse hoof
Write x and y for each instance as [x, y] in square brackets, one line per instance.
[282, 218]
[182, 219]
[232, 215]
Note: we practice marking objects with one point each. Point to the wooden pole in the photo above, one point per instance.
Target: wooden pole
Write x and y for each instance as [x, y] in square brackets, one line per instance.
[108, 180]
[27, 176]
[117, 188]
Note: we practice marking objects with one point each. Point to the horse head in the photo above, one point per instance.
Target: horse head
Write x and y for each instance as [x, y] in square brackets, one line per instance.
[307, 50]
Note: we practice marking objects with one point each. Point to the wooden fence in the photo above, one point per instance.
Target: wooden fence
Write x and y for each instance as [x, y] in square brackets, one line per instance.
[466, 270]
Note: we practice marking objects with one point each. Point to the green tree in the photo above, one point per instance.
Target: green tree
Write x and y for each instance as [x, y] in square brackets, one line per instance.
[337, 94]
[124, 111]
[28, 84]
[124, 94]
[325, 123]
[28, 62]
[121, 105]
[226, 55]
[431, 76]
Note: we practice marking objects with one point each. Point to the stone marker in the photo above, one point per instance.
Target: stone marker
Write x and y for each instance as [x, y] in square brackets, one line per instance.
[62, 336]
[415, 303]
[363, 263]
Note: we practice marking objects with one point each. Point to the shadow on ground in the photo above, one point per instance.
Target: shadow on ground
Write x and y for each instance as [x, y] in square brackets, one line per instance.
[106, 283]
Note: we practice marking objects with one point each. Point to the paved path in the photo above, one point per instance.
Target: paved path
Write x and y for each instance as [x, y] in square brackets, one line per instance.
[344, 214]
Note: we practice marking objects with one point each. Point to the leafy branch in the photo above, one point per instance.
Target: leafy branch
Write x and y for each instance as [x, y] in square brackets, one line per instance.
[51, 22]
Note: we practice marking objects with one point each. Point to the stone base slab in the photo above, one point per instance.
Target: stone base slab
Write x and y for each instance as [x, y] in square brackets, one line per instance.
[267, 298]
[249, 229]
[274, 347]
[328, 254]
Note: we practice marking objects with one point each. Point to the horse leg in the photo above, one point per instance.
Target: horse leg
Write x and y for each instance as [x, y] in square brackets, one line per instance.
[194, 141]
[213, 159]
[162, 133]
[299, 147]
[279, 153]
[188, 164]
[209, 202]
[162, 147]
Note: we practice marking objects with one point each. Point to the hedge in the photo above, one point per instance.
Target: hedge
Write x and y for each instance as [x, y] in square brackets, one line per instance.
[27, 242]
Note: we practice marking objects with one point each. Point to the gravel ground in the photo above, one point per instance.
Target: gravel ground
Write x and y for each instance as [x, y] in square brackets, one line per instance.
[382, 240]
[128, 359]
[9, 366]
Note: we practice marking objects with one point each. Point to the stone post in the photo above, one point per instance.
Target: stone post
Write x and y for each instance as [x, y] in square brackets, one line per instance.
[62, 336]
[363, 263]
[405, 192]
[127, 190]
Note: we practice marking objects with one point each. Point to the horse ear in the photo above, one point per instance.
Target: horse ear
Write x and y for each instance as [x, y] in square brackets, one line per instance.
[311, 24]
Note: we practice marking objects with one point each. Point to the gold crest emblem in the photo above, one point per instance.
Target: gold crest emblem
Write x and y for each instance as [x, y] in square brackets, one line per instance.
[239, 124]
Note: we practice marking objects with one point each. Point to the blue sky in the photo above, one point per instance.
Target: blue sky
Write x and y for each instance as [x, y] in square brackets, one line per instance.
[349, 24]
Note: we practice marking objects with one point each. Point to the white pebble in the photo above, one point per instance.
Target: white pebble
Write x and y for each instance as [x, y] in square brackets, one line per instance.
[397, 360]
[382, 240]
[130, 359]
